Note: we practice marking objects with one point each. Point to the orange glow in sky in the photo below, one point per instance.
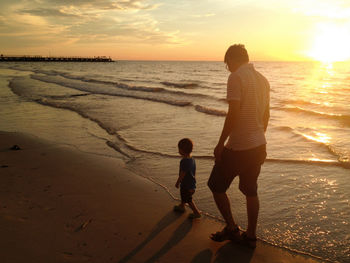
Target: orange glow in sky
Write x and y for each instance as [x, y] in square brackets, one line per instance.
[177, 30]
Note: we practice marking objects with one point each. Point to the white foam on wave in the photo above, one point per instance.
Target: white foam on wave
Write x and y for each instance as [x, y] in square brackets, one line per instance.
[328, 115]
[210, 111]
[31, 89]
[189, 85]
[140, 88]
[105, 89]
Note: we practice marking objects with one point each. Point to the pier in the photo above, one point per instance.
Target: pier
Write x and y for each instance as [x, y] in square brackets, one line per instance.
[25, 58]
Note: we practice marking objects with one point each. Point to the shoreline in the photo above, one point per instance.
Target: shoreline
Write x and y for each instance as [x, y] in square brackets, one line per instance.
[62, 205]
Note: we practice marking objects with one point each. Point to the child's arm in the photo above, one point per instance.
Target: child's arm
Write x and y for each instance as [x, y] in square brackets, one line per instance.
[179, 180]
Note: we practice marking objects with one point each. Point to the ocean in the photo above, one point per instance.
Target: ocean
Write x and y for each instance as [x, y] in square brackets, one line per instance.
[138, 111]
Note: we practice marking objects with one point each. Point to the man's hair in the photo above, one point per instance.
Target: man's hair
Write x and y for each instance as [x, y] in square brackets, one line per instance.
[186, 145]
[236, 53]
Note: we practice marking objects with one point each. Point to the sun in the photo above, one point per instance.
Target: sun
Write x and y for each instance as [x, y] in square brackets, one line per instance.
[331, 43]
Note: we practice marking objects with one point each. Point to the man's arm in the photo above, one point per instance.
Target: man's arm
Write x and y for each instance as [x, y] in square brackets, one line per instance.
[266, 116]
[230, 122]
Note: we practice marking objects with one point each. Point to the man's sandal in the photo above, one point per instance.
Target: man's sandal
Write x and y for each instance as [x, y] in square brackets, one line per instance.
[226, 234]
[247, 241]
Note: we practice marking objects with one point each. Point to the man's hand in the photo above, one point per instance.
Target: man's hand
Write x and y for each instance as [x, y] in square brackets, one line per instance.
[218, 151]
[230, 122]
[177, 185]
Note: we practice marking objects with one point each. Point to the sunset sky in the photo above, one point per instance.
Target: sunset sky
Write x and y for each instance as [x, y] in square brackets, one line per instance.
[176, 29]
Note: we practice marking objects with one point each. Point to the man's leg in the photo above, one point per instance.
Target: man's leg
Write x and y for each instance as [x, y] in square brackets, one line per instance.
[224, 206]
[253, 212]
[219, 181]
[249, 186]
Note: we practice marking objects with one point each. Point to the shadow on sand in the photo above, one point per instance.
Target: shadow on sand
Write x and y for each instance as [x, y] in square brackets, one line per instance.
[177, 236]
[203, 256]
[230, 252]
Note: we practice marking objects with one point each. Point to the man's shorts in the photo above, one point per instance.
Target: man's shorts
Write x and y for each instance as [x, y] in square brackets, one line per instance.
[186, 195]
[246, 164]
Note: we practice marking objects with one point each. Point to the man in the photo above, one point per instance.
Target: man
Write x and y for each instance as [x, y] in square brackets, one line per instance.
[248, 95]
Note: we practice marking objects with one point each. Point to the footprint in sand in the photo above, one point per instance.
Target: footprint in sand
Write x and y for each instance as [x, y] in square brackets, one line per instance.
[16, 218]
[70, 257]
[46, 208]
[47, 188]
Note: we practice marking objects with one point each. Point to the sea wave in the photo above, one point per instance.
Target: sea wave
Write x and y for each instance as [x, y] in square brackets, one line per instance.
[180, 85]
[78, 88]
[131, 87]
[342, 158]
[31, 89]
[23, 88]
[119, 85]
[345, 165]
[210, 111]
[107, 90]
[58, 97]
[111, 83]
[336, 116]
[321, 162]
[284, 128]
[312, 136]
[136, 149]
[283, 102]
[117, 148]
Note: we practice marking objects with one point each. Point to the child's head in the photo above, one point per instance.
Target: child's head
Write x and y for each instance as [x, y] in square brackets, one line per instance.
[185, 146]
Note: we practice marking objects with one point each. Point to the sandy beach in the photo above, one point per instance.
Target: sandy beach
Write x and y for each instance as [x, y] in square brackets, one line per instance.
[58, 204]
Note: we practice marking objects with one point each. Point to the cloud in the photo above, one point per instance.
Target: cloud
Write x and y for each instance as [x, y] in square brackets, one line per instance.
[81, 21]
[80, 8]
[142, 29]
[333, 9]
[204, 15]
[47, 12]
[106, 4]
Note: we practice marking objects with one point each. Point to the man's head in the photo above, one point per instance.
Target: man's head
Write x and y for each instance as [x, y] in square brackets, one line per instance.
[185, 146]
[235, 56]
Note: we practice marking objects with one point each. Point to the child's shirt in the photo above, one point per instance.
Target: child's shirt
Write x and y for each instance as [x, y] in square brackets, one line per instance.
[188, 165]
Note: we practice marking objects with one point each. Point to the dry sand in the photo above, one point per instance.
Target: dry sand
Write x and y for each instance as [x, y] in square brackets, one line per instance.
[58, 204]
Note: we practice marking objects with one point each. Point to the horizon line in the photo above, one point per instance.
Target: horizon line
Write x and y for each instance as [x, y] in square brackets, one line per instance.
[172, 60]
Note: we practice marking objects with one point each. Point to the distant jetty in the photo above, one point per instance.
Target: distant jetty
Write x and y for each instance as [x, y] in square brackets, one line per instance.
[54, 59]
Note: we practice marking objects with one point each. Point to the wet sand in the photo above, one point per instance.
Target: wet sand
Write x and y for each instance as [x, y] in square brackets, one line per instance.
[58, 204]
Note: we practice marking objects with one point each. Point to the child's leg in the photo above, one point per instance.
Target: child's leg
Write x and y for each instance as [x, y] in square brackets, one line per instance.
[181, 207]
[184, 197]
[194, 208]
[191, 203]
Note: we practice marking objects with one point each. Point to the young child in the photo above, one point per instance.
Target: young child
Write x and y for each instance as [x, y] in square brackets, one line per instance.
[187, 180]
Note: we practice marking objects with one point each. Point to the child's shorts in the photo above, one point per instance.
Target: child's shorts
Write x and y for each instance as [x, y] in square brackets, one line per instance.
[246, 164]
[186, 195]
